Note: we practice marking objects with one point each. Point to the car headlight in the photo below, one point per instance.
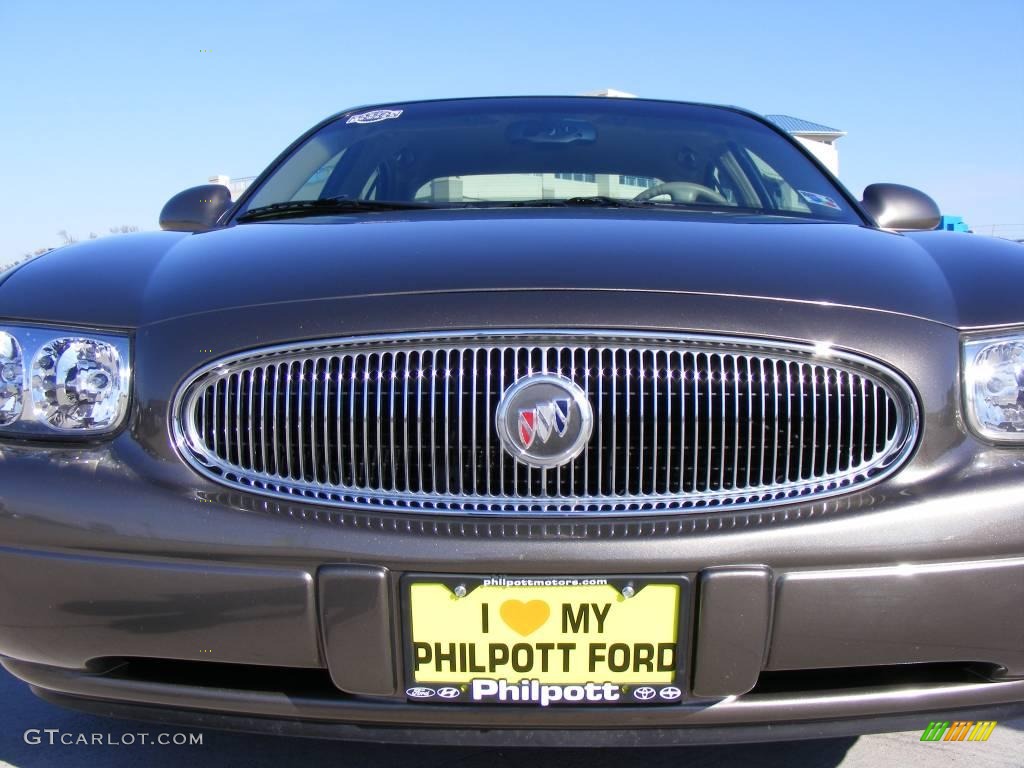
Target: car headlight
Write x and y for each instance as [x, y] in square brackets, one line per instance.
[994, 382]
[56, 382]
[12, 379]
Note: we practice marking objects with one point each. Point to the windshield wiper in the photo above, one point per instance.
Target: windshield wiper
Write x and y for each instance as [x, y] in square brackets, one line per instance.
[296, 208]
[589, 201]
[603, 201]
[331, 205]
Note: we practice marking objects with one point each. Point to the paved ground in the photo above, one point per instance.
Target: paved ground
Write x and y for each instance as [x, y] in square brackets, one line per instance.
[21, 711]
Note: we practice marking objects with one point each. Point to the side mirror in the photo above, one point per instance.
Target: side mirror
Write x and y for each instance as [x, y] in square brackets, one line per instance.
[895, 206]
[196, 209]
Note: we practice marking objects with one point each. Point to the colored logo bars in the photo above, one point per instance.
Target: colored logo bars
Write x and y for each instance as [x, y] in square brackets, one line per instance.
[539, 422]
[959, 730]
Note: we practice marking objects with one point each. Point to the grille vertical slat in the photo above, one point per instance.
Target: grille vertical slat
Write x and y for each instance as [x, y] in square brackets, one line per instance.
[676, 425]
[313, 421]
[502, 488]
[274, 437]
[836, 388]
[325, 463]
[813, 462]
[288, 420]
[841, 424]
[202, 417]
[710, 421]
[787, 378]
[460, 407]
[419, 419]
[686, 445]
[565, 365]
[364, 426]
[641, 375]
[488, 477]
[376, 456]
[261, 406]
[749, 432]
[654, 421]
[614, 452]
[352, 375]
[734, 373]
[409, 411]
[446, 420]
[628, 421]
[326, 469]
[671, 428]
[850, 443]
[474, 400]
[599, 418]
[245, 425]
[225, 418]
[300, 422]
[589, 382]
[432, 373]
[392, 457]
[695, 442]
[762, 420]
[339, 424]
[723, 434]
[774, 381]
[885, 423]
[864, 421]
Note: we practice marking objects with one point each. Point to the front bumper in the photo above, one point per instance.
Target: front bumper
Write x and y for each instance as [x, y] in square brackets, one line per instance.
[869, 612]
[367, 721]
[133, 585]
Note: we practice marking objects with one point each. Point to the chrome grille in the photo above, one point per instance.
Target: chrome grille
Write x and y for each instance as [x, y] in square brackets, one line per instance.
[680, 423]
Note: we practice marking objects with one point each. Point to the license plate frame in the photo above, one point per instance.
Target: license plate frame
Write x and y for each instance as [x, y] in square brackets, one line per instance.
[537, 692]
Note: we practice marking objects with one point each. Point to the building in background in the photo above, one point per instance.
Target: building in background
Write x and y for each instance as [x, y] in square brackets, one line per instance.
[819, 139]
[237, 186]
[953, 224]
[610, 93]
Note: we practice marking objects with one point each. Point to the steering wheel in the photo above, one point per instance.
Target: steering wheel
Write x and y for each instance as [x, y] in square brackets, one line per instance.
[682, 192]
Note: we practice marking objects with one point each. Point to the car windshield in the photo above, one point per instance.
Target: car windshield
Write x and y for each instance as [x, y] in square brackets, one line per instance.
[550, 151]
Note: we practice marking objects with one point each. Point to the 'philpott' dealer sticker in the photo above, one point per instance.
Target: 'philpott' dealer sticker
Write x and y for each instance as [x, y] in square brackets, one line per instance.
[374, 116]
[815, 199]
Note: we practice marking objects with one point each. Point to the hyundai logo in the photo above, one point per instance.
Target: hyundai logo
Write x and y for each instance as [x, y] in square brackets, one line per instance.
[544, 420]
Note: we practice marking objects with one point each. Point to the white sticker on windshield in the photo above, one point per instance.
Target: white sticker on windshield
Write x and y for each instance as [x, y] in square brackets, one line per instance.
[815, 199]
[374, 116]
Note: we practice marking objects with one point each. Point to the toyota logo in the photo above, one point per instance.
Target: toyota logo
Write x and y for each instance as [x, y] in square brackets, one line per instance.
[544, 420]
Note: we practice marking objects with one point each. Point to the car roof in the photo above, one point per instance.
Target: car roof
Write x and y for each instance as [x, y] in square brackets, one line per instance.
[551, 97]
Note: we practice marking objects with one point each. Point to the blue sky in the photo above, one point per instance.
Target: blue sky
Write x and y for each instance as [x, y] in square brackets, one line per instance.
[109, 108]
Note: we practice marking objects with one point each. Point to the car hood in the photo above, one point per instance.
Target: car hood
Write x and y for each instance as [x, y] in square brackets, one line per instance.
[133, 280]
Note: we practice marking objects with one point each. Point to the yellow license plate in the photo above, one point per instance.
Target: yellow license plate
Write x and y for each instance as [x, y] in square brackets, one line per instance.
[543, 640]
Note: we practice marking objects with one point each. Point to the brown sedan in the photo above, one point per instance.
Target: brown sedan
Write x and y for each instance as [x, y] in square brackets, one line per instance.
[544, 421]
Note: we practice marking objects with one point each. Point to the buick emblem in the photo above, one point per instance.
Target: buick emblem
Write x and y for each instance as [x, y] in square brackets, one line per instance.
[544, 420]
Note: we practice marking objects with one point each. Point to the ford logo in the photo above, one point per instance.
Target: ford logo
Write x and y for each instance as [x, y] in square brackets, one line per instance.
[544, 420]
[419, 692]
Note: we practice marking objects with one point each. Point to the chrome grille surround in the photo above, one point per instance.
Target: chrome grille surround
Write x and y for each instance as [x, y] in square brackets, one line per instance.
[396, 422]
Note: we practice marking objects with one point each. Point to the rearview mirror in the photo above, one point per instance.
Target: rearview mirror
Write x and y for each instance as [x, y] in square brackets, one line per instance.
[894, 206]
[551, 132]
[196, 209]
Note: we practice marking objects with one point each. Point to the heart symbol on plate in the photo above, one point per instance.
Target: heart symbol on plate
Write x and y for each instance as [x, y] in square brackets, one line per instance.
[525, 618]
